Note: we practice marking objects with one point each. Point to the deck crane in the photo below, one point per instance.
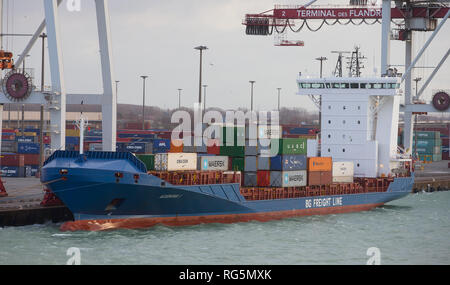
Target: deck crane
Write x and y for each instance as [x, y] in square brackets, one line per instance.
[406, 15]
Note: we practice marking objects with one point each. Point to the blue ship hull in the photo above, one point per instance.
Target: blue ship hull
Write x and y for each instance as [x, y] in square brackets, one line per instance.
[113, 190]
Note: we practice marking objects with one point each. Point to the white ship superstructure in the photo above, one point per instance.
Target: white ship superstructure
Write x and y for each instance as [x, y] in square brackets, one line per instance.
[359, 121]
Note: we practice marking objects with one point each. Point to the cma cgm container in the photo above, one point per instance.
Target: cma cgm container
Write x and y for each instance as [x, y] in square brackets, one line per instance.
[288, 163]
[28, 148]
[288, 178]
[213, 163]
[175, 161]
[343, 172]
[12, 171]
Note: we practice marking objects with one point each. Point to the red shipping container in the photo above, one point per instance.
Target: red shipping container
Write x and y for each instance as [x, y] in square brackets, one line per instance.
[263, 178]
[213, 147]
[320, 178]
[445, 156]
[31, 159]
[12, 160]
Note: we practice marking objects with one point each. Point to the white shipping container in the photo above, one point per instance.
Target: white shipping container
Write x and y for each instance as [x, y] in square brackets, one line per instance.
[342, 179]
[270, 132]
[213, 163]
[175, 161]
[343, 169]
[312, 148]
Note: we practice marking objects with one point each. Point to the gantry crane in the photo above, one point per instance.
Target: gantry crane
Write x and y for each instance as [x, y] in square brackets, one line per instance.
[406, 15]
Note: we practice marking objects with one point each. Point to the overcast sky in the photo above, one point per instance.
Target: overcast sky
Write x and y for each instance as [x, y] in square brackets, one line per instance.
[157, 38]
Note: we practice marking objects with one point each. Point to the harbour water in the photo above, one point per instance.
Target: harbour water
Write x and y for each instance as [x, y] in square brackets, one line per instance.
[413, 230]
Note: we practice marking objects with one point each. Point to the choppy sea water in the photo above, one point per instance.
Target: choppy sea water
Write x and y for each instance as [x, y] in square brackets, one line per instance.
[413, 230]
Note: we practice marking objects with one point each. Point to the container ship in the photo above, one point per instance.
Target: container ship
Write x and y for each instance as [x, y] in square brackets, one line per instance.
[355, 166]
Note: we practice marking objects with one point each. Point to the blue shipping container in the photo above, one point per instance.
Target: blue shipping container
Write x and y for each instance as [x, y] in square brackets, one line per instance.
[161, 146]
[28, 148]
[135, 147]
[13, 171]
[299, 131]
[72, 140]
[25, 139]
[288, 163]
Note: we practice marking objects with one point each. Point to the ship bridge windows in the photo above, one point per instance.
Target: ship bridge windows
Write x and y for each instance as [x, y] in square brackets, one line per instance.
[335, 85]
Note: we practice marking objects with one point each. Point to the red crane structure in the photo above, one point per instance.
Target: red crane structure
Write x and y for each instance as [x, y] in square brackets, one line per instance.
[398, 20]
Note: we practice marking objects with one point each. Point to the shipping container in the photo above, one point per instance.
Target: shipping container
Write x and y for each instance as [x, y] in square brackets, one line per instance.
[13, 171]
[343, 179]
[176, 146]
[237, 163]
[263, 163]
[233, 136]
[288, 163]
[73, 133]
[72, 140]
[31, 159]
[28, 148]
[320, 164]
[288, 178]
[136, 147]
[31, 170]
[161, 146]
[148, 160]
[343, 169]
[234, 151]
[213, 146]
[270, 132]
[11, 159]
[427, 135]
[251, 150]
[320, 178]
[27, 139]
[312, 148]
[175, 161]
[213, 163]
[263, 178]
[251, 164]
[250, 179]
[289, 146]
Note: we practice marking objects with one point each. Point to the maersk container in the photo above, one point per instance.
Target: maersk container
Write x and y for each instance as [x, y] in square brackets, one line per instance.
[251, 164]
[175, 161]
[213, 163]
[28, 148]
[288, 178]
[288, 163]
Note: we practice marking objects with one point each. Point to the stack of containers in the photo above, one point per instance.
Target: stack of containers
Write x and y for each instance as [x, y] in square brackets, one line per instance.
[251, 159]
[175, 161]
[343, 172]
[320, 171]
[289, 167]
[12, 165]
[233, 145]
[428, 145]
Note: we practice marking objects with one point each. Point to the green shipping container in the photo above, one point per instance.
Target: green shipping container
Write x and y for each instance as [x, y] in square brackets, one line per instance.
[148, 160]
[237, 164]
[290, 146]
[428, 135]
[234, 151]
[437, 157]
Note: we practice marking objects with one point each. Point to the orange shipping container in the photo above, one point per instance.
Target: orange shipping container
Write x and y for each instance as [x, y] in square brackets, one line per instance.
[320, 164]
[176, 146]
